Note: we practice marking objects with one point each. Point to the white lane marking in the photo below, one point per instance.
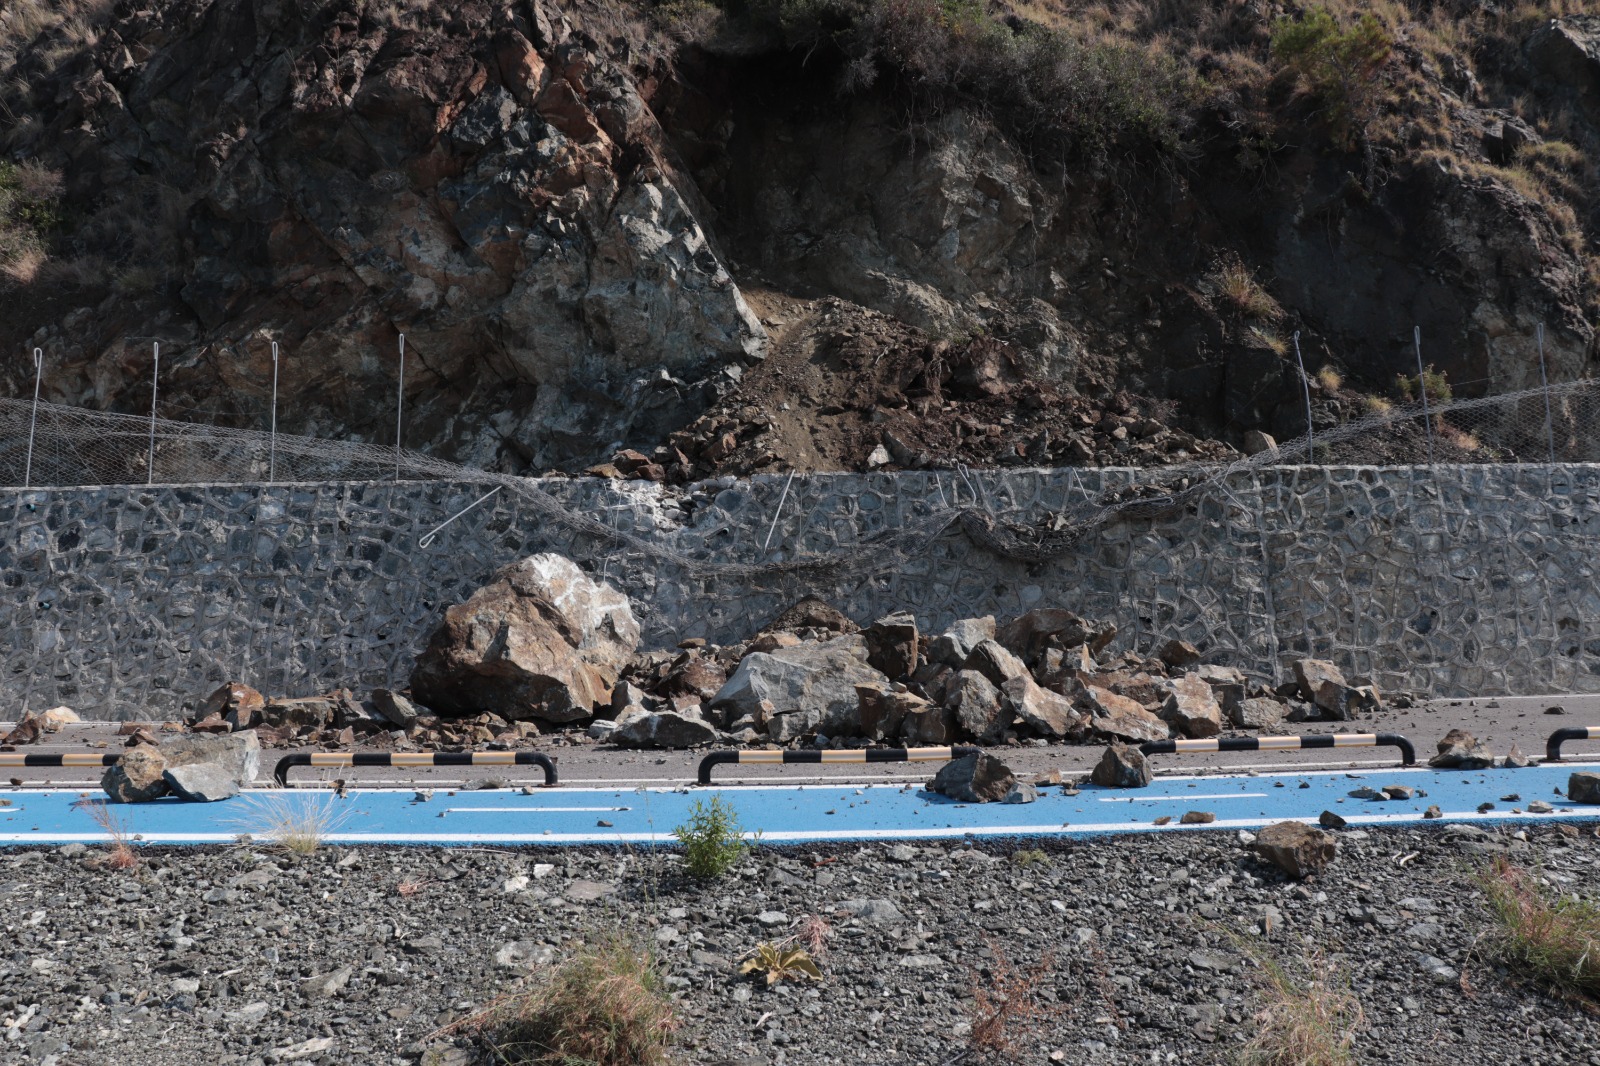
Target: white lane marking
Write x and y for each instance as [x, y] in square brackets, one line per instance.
[533, 810]
[1184, 799]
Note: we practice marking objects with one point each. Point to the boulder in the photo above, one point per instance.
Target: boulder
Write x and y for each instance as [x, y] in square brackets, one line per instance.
[1346, 702]
[1584, 787]
[201, 782]
[929, 724]
[1460, 750]
[1257, 442]
[1567, 51]
[811, 688]
[1178, 654]
[1191, 708]
[137, 777]
[665, 729]
[883, 711]
[312, 712]
[1030, 634]
[697, 675]
[542, 640]
[979, 778]
[235, 756]
[1117, 717]
[956, 643]
[236, 703]
[1049, 714]
[52, 720]
[975, 702]
[395, 708]
[1311, 674]
[892, 645]
[1121, 766]
[1258, 713]
[1296, 848]
[993, 661]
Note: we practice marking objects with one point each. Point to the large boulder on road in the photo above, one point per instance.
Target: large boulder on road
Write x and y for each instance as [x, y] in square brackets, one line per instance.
[542, 640]
[811, 688]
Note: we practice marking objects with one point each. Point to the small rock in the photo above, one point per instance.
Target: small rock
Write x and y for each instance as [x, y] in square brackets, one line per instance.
[1179, 654]
[1399, 792]
[1197, 818]
[326, 985]
[305, 1050]
[1329, 820]
[1515, 760]
[1296, 848]
[1539, 807]
[1461, 750]
[1122, 767]
[1021, 792]
[1433, 812]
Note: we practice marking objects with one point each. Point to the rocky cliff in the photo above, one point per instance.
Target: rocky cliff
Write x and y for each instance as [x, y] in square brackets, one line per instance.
[731, 239]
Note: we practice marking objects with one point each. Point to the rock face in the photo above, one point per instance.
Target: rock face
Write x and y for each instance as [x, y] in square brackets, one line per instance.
[811, 688]
[1296, 848]
[979, 778]
[1122, 767]
[542, 640]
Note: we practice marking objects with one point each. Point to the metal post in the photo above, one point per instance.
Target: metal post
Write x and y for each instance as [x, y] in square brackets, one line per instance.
[38, 373]
[1305, 387]
[272, 447]
[399, 406]
[777, 512]
[1544, 383]
[155, 378]
[1422, 387]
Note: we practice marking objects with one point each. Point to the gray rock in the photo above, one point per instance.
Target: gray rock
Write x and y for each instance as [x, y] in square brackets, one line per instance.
[1122, 766]
[1462, 751]
[667, 729]
[600, 729]
[873, 911]
[1296, 848]
[975, 702]
[956, 643]
[325, 985]
[1258, 713]
[1021, 792]
[201, 782]
[993, 661]
[1191, 708]
[979, 778]
[811, 688]
[1049, 714]
[1584, 787]
[1311, 673]
[395, 708]
[1178, 654]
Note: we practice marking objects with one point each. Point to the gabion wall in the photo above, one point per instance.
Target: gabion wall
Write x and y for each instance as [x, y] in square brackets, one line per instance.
[134, 602]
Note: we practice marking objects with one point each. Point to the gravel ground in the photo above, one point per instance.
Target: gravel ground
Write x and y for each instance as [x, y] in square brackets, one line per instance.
[204, 955]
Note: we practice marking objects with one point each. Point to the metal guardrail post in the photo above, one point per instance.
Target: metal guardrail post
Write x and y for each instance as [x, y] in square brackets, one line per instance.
[1408, 753]
[831, 755]
[66, 758]
[1552, 747]
[442, 758]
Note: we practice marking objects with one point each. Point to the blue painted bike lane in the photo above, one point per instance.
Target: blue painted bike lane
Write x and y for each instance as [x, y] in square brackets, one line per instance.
[791, 814]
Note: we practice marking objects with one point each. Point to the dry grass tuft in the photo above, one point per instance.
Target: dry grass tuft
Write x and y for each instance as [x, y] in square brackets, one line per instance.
[814, 932]
[1236, 285]
[1552, 939]
[1330, 379]
[604, 1006]
[1311, 1024]
[296, 823]
[412, 886]
[119, 849]
[1006, 1005]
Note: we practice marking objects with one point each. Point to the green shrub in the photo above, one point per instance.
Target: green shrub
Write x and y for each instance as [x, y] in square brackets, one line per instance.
[712, 839]
[1551, 939]
[1342, 66]
[29, 209]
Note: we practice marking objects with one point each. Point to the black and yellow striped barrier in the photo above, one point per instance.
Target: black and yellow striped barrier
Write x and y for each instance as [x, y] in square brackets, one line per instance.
[831, 755]
[1552, 747]
[441, 758]
[65, 758]
[1408, 754]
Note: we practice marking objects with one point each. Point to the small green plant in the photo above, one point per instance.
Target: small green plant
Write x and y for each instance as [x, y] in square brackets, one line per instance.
[782, 961]
[713, 843]
[1552, 939]
[1340, 65]
[1433, 380]
[605, 1006]
[1309, 1024]
[1030, 857]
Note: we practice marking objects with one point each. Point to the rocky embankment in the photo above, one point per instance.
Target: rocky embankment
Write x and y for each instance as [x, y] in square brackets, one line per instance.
[1135, 950]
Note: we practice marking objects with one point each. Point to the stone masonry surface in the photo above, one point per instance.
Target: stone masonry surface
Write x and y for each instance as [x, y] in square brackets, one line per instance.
[133, 602]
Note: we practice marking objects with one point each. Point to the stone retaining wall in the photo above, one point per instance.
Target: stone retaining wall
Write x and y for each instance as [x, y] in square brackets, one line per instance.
[128, 601]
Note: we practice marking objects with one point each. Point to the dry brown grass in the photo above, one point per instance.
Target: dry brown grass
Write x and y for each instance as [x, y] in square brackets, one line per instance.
[1006, 1004]
[293, 822]
[1303, 1024]
[120, 854]
[1330, 379]
[606, 1005]
[1236, 286]
[813, 932]
[412, 886]
[1550, 938]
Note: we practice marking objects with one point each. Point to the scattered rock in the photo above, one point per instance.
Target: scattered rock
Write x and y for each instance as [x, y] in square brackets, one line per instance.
[1122, 766]
[810, 688]
[1461, 750]
[1197, 818]
[1515, 760]
[235, 703]
[395, 708]
[541, 640]
[1179, 654]
[327, 985]
[1047, 713]
[1258, 713]
[1296, 848]
[202, 782]
[1584, 787]
[1021, 792]
[975, 702]
[1114, 716]
[979, 778]
[1399, 792]
[1329, 820]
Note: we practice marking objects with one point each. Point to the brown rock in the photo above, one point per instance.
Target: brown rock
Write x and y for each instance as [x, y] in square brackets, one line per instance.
[929, 724]
[1191, 708]
[1346, 702]
[1257, 713]
[239, 704]
[884, 711]
[1030, 634]
[1049, 714]
[1296, 848]
[892, 645]
[1584, 787]
[993, 661]
[1122, 767]
[56, 717]
[313, 712]
[1118, 717]
[27, 731]
[213, 723]
[1197, 818]
[1310, 674]
[1178, 654]
[771, 642]
[137, 777]
[979, 778]
[1460, 750]
[698, 676]
[542, 640]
